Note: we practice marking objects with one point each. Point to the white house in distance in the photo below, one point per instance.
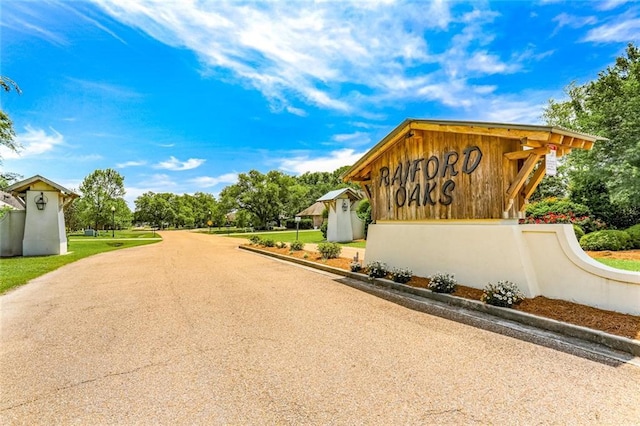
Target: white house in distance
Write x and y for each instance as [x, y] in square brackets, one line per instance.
[343, 225]
[39, 229]
[314, 211]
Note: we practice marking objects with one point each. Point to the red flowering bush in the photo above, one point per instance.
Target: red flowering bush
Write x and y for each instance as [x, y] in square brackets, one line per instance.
[554, 210]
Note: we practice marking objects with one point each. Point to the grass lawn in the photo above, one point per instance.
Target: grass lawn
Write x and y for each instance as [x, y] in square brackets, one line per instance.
[16, 271]
[125, 233]
[629, 265]
[306, 236]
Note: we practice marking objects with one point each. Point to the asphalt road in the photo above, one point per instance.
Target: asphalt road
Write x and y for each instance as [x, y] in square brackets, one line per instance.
[194, 331]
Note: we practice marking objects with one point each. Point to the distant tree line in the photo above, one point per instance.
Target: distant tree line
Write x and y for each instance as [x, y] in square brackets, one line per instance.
[257, 199]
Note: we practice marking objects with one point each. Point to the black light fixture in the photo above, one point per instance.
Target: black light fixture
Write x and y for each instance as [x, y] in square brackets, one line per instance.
[41, 201]
[344, 205]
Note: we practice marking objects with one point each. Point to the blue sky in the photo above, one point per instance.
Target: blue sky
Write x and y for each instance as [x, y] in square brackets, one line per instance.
[181, 96]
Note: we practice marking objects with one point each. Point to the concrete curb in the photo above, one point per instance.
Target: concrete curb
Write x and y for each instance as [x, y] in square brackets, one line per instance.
[586, 334]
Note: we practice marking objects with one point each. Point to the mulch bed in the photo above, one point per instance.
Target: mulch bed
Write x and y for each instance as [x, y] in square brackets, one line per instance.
[573, 313]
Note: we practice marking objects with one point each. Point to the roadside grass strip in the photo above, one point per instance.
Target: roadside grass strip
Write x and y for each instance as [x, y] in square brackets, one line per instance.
[16, 271]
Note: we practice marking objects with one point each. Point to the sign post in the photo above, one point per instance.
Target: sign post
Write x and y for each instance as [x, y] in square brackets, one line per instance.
[551, 161]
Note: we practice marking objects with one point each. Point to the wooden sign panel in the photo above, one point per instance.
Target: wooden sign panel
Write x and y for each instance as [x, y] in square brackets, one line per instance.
[442, 175]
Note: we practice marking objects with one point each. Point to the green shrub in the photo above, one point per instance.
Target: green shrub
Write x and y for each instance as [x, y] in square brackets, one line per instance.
[297, 245]
[304, 223]
[442, 283]
[558, 206]
[401, 275]
[634, 233]
[329, 250]
[504, 293]
[553, 210]
[606, 240]
[268, 242]
[377, 269]
[281, 244]
[323, 229]
[364, 213]
[255, 240]
[578, 231]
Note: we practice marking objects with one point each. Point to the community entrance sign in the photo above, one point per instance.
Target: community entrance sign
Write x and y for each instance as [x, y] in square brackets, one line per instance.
[446, 196]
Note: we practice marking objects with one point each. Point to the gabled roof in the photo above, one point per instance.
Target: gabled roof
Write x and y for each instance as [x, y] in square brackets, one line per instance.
[7, 199]
[531, 136]
[26, 184]
[315, 209]
[338, 193]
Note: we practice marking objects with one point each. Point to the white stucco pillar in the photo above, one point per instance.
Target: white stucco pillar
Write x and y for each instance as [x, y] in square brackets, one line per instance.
[44, 231]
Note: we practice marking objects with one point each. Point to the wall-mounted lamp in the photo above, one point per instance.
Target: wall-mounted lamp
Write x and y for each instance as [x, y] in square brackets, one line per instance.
[41, 201]
[344, 205]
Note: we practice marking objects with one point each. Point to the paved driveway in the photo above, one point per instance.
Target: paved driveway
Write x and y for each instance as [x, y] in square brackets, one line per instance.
[192, 330]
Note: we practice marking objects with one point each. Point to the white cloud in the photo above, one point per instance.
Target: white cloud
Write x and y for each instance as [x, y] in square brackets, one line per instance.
[34, 142]
[207, 181]
[488, 64]
[345, 56]
[130, 164]
[352, 139]
[105, 89]
[610, 4]
[176, 165]
[572, 21]
[336, 159]
[620, 30]
[297, 111]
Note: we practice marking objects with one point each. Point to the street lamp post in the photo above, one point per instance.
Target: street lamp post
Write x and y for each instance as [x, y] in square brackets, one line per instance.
[113, 221]
[297, 219]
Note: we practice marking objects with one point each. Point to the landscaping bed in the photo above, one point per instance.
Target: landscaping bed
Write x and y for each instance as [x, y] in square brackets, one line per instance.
[610, 322]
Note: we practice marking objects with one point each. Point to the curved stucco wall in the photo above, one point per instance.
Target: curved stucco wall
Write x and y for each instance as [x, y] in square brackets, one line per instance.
[541, 259]
[11, 233]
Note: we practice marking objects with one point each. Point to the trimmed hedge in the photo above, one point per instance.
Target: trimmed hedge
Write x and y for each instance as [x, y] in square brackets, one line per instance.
[305, 223]
[606, 240]
[634, 233]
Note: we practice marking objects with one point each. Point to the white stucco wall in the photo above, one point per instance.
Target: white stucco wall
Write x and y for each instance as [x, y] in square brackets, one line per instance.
[339, 227]
[44, 229]
[541, 259]
[357, 226]
[12, 233]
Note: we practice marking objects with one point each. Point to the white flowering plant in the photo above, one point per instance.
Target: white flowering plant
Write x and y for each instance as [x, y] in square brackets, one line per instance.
[401, 275]
[377, 269]
[442, 283]
[355, 266]
[503, 293]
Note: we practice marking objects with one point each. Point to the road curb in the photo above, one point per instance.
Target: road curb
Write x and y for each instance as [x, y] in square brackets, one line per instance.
[583, 333]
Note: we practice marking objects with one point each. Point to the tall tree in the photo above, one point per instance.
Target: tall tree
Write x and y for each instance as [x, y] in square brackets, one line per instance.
[609, 107]
[7, 133]
[262, 195]
[155, 209]
[101, 190]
